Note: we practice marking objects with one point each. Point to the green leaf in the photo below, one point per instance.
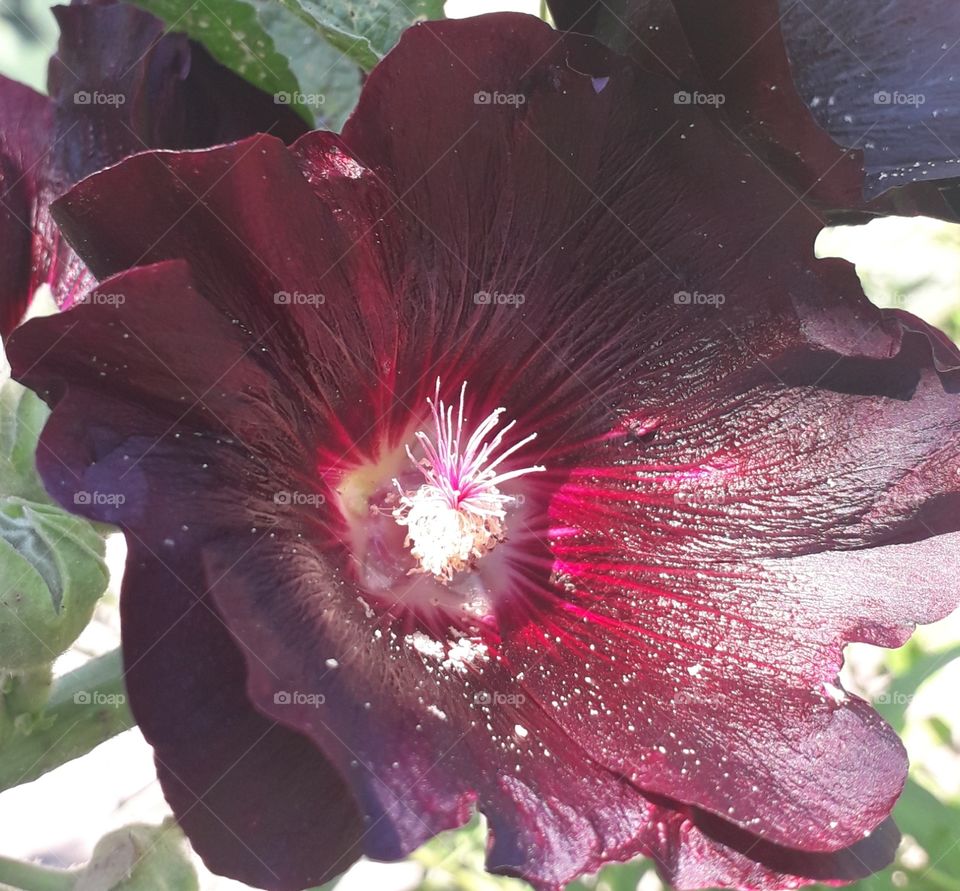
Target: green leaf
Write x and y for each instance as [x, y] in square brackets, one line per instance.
[140, 858]
[912, 665]
[233, 33]
[329, 82]
[51, 563]
[363, 30]
[616, 877]
[22, 416]
[932, 824]
[52, 573]
[456, 860]
[315, 69]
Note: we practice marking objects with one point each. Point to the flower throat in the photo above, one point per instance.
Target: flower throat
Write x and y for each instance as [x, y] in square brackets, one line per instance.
[458, 513]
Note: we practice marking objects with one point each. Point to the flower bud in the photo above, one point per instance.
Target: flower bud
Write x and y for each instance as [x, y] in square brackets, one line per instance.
[140, 858]
[51, 575]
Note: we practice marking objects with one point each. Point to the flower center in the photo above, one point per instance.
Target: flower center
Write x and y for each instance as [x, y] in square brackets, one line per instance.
[458, 513]
[425, 523]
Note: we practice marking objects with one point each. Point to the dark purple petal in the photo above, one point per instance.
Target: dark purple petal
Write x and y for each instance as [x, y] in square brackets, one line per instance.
[615, 198]
[30, 249]
[258, 801]
[793, 75]
[114, 85]
[219, 211]
[705, 852]
[415, 768]
[119, 83]
[809, 454]
[945, 352]
[885, 82]
[733, 57]
[160, 91]
[24, 127]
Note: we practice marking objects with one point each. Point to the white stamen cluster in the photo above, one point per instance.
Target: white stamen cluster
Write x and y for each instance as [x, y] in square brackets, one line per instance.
[457, 515]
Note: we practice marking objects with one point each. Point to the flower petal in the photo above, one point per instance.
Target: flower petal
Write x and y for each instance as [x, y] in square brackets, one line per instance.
[258, 801]
[119, 83]
[160, 90]
[553, 816]
[27, 232]
[704, 852]
[886, 84]
[821, 427]
[250, 197]
[733, 59]
[724, 559]
[410, 735]
[785, 70]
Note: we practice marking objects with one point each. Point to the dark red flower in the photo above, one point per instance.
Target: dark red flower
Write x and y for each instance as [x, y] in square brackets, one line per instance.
[119, 83]
[819, 90]
[745, 466]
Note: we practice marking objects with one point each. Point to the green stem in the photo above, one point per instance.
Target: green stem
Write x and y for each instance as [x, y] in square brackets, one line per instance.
[34, 877]
[86, 707]
[940, 880]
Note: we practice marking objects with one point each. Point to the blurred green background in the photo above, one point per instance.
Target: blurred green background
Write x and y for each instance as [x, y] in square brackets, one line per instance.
[914, 264]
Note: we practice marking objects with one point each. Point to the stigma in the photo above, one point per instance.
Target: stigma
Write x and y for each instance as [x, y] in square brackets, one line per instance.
[458, 513]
